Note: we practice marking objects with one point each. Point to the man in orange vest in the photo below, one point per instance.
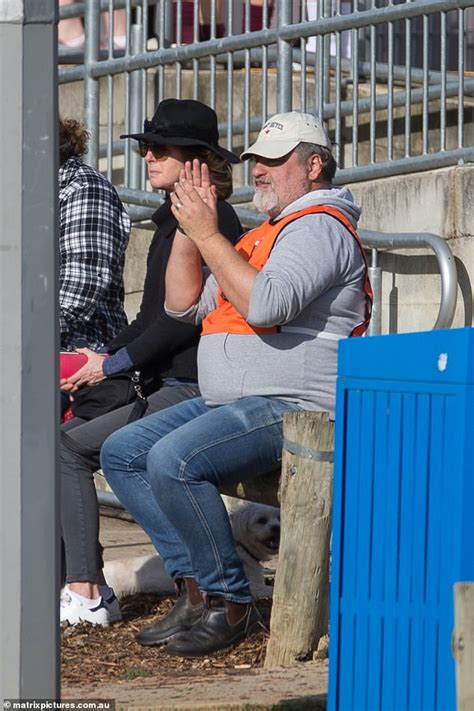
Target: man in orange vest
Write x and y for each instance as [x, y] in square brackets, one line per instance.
[272, 310]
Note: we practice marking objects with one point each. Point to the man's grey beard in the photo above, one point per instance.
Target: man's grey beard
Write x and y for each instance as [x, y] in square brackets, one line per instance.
[266, 201]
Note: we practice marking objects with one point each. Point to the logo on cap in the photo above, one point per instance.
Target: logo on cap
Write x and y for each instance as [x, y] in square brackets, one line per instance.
[273, 124]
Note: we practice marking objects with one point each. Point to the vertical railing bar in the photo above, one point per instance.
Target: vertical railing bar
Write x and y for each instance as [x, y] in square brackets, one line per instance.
[425, 109]
[461, 60]
[230, 80]
[326, 55]
[110, 29]
[212, 59]
[195, 60]
[110, 95]
[315, 70]
[136, 101]
[338, 97]
[264, 74]
[355, 92]
[161, 68]
[128, 149]
[390, 90]
[91, 85]
[407, 87]
[319, 78]
[375, 276]
[145, 20]
[303, 42]
[443, 69]
[126, 166]
[145, 16]
[179, 39]
[284, 59]
[247, 26]
[373, 91]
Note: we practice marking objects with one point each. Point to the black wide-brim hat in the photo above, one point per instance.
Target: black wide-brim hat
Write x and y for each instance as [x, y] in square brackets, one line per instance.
[183, 122]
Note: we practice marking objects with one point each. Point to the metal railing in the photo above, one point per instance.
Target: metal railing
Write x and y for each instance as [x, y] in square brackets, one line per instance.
[385, 118]
[340, 65]
[375, 241]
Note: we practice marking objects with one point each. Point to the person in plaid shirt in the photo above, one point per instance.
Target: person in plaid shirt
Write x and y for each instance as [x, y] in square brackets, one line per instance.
[94, 233]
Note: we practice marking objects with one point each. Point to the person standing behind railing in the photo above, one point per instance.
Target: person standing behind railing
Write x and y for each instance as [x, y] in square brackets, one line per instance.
[71, 30]
[205, 25]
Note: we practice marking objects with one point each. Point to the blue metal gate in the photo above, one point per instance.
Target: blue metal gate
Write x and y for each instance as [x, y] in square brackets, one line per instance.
[403, 520]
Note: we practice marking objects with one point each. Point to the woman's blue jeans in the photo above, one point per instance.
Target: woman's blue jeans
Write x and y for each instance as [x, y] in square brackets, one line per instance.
[166, 470]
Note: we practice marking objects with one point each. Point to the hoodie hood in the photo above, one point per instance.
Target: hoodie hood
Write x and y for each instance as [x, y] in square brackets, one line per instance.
[340, 198]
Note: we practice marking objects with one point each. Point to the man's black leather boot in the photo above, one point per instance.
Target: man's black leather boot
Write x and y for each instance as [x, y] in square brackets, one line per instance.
[181, 618]
[214, 631]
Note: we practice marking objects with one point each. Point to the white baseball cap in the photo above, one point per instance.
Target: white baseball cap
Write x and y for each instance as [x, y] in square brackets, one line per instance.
[283, 132]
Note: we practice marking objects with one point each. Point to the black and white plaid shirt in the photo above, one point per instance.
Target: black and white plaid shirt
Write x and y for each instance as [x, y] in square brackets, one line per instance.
[94, 232]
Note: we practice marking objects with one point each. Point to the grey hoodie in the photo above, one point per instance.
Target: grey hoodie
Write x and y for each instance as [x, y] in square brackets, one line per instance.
[312, 283]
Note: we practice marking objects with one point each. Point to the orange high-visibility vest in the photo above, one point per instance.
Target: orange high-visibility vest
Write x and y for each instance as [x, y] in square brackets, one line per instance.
[255, 247]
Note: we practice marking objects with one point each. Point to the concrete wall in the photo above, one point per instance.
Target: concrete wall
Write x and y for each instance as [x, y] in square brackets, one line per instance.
[440, 202]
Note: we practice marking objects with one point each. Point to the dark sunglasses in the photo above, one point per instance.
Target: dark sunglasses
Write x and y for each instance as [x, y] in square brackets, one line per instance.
[159, 152]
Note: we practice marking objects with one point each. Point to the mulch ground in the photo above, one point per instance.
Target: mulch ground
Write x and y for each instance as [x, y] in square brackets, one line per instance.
[112, 654]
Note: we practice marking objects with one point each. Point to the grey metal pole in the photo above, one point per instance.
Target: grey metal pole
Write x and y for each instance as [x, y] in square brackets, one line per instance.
[91, 85]
[375, 276]
[28, 331]
[284, 59]
[136, 105]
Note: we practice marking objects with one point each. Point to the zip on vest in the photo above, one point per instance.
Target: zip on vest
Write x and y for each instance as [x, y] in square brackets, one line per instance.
[255, 247]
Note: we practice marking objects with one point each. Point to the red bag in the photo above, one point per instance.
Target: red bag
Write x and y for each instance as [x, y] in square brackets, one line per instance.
[70, 362]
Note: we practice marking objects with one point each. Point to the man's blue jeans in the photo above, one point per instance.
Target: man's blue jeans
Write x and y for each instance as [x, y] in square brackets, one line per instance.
[166, 470]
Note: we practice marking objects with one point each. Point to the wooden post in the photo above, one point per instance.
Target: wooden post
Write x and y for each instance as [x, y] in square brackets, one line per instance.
[300, 599]
[463, 645]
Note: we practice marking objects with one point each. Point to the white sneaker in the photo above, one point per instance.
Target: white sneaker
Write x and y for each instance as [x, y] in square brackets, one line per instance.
[74, 609]
[113, 607]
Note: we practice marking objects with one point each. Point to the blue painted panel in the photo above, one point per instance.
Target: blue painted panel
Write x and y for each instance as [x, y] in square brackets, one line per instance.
[403, 532]
[445, 356]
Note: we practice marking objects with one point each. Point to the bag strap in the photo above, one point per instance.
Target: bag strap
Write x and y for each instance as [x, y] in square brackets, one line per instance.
[141, 403]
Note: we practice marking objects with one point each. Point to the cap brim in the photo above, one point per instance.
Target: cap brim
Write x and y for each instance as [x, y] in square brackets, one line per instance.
[265, 148]
[156, 139]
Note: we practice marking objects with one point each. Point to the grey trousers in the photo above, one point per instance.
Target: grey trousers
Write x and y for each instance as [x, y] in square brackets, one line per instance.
[79, 459]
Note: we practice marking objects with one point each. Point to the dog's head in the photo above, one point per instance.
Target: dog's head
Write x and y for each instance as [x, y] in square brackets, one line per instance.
[257, 528]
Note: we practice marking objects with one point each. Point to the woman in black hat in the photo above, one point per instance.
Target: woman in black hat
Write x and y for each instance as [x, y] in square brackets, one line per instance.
[162, 348]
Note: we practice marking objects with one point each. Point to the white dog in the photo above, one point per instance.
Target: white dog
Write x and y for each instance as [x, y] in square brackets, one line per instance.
[256, 530]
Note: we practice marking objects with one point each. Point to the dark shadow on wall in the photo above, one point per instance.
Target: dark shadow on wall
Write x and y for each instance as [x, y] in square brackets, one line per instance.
[420, 265]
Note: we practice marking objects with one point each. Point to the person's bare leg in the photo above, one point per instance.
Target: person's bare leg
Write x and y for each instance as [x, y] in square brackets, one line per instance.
[89, 590]
[120, 28]
[205, 19]
[70, 31]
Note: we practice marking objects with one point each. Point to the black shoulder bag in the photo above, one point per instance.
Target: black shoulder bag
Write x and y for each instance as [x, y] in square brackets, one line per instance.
[115, 391]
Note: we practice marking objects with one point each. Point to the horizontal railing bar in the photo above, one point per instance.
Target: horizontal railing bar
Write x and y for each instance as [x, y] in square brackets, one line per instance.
[146, 198]
[243, 194]
[402, 166]
[382, 71]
